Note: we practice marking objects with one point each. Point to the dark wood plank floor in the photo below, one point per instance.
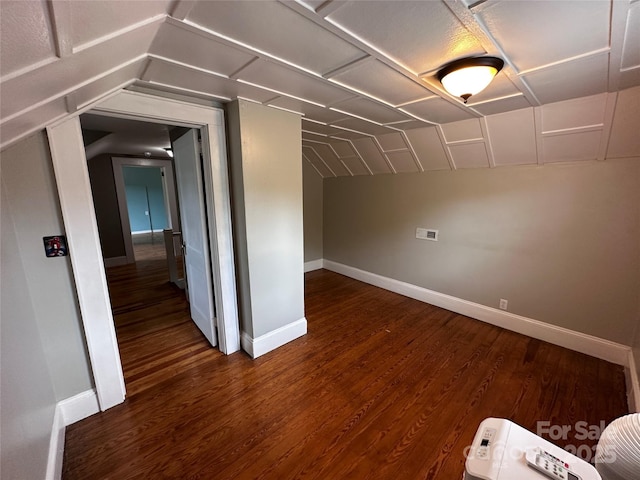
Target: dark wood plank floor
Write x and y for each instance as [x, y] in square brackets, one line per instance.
[156, 337]
[381, 387]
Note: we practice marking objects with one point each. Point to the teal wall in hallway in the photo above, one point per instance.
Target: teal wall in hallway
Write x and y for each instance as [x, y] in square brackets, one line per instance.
[143, 186]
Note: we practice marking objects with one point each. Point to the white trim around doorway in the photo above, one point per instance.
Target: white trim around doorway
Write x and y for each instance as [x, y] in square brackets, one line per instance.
[70, 168]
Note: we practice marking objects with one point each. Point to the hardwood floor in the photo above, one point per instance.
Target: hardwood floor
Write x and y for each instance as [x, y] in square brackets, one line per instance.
[381, 387]
[156, 337]
[149, 246]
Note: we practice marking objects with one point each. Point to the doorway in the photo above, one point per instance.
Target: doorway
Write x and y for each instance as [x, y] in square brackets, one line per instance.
[146, 201]
[152, 318]
[70, 169]
[146, 207]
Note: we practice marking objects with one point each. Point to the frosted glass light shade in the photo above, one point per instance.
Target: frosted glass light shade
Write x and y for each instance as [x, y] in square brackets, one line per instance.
[469, 76]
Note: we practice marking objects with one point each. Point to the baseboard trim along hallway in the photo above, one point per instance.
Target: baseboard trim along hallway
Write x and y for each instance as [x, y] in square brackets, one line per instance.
[313, 265]
[68, 411]
[258, 346]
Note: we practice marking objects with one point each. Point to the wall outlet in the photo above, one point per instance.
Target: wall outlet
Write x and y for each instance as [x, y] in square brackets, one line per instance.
[504, 304]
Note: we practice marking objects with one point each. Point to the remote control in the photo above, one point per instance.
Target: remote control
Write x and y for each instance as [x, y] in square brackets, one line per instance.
[549, 465]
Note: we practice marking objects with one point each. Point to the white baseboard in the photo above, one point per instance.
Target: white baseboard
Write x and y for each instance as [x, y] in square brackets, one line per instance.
[312, 265]
[272, 340]
[633, 384]
[115, 261]
[577, 341]
[79, 406]
[56, 447]
[68, 411]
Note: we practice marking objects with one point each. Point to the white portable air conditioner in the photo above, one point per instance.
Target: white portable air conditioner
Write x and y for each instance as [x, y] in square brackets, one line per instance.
[502, 450]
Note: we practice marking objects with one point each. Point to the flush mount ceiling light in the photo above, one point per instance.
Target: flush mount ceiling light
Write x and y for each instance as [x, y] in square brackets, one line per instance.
[469, 76]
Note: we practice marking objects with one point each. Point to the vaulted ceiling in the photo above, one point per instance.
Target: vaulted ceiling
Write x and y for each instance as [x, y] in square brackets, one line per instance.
[362, 73]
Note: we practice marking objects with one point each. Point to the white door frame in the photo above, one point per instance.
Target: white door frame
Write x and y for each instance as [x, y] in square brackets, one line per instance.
[169, 193]
[74, 190]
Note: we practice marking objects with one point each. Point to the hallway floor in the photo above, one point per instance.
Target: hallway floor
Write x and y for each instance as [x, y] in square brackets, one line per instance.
[156, 336]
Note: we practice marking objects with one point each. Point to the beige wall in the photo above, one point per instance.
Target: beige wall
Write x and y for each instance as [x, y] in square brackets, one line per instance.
[26, 390]
[312, 202]
[266, 174]
[43, 353]
[32, 196]
[560, 243]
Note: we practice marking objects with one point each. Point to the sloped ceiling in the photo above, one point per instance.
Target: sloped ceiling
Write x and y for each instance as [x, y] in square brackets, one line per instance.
[362, 73]
[122, 136]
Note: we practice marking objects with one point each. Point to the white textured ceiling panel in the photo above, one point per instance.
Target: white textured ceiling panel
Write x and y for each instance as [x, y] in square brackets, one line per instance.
[370, 110]
[578, 78]
[91, 20]
[376, 79]
[403, 161]
[314, 112]
[470, 155]
[371, 155]
[574, 147]
[361, 126]
[60, 77]
[409, 125]
[502, 105]
[581, 112]
[39, 116]
[330, 159]
[421, 36]
[428, 148]
[464, 130]
[95, 90]
[625, 140]
[315, 160]
[287, 81]
[166, 73]
[277, 30]
[630, 78]
[533, 34]
[348, 135]
[313, 137]
[177, 43]
[343, 149]
[355, 166]
[437, 110]
[319, 128]
[631, 48]
[359, 57]
[513, 137]
[20, 48]
[392, 141]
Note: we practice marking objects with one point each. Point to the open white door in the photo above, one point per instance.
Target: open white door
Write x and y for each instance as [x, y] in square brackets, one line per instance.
[186, 156]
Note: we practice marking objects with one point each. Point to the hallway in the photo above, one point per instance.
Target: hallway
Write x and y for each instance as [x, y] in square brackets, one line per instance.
[156, 336]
